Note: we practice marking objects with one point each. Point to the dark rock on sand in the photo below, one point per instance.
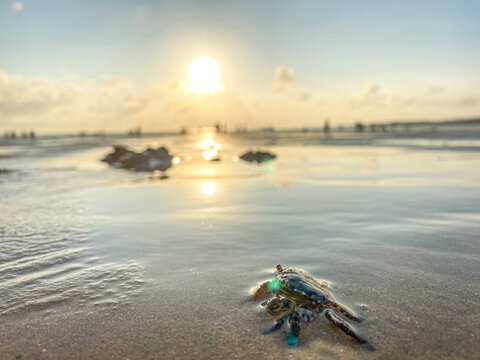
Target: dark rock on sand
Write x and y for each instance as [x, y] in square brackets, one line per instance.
[257, 156]
[149, 160]
[160, 153]
[135, 161]
[4, 171]
[118, 153]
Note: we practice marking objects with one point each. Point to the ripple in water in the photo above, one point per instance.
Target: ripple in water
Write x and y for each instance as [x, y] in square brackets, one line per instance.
[45, 258]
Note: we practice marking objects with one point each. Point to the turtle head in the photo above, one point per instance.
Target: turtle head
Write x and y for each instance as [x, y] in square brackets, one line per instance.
[279, 307]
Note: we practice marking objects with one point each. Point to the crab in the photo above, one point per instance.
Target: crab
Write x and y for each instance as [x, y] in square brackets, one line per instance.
[300, 297]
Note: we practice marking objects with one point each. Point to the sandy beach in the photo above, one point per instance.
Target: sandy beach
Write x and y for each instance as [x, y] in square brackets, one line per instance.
[221, 179]
[115, 264]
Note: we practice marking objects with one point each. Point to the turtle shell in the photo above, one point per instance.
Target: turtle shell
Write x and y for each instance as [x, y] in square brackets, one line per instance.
[298, 284]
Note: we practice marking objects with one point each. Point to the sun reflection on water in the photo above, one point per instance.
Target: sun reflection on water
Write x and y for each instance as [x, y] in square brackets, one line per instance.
[209, 154]
[208, 188]
[206, 143]
[210, 148]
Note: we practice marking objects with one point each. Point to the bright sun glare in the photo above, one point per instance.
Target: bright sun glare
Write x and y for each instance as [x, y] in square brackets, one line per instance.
[208, 188]
[210, 148]
[204, 77]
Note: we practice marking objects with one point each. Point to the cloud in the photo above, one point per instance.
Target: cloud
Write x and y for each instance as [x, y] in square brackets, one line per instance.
[284, 83]
[113, 103]
[305, 96]
[376, 102]
[110, 102]
[67, 103]
[20, 97]
[372, 96]
[469, 101]
[284, 79]
[17, 6]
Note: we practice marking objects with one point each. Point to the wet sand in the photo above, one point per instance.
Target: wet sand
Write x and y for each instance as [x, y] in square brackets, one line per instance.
[394, 229]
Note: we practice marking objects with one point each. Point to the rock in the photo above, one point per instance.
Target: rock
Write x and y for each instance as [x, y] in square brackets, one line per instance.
[257, 156]
[135, 161]
[149, 160]
[158, 159]
[160, 153]
[118, 152]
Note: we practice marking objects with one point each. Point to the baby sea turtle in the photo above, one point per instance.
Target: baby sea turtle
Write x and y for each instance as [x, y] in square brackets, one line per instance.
[298, 296]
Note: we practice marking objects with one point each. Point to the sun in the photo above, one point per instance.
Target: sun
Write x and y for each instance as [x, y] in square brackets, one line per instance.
[204, 76]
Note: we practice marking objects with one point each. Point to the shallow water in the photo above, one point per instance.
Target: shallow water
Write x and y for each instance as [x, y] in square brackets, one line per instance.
[46, 256]
[164, 265]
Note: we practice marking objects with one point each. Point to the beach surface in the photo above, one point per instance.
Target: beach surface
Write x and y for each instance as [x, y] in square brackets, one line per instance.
[105, 263]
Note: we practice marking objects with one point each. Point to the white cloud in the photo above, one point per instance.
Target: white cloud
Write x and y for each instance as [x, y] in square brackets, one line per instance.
[114, 104]
[68, 103]
[284, 76]
[284, 83]
[111, 103]
[17, 6]
[284, 79]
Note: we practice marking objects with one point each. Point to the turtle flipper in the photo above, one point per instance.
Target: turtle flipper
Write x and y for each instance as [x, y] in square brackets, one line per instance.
[344, 311]
[293, 328]
[278, 325]
[343, 325]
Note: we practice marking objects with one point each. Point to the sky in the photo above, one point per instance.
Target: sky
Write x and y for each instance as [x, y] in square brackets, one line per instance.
[67, 66]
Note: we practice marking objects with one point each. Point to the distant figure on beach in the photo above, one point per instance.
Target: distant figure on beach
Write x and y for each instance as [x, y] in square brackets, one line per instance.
[359, 127]
[241, 130]
[220, 129]
[326, 126]
[136, 132]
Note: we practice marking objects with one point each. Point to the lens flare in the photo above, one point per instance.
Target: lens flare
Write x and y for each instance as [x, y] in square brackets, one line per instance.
[274, 285]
